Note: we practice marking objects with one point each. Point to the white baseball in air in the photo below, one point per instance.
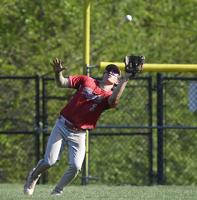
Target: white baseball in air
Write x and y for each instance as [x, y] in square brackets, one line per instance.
[128, 18]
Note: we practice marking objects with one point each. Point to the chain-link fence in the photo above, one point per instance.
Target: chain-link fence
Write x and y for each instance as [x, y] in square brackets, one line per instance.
[19, 108]
[180, 134]
[121, 147]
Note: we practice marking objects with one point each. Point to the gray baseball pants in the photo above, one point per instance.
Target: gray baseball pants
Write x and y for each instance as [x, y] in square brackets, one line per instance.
[75, 141]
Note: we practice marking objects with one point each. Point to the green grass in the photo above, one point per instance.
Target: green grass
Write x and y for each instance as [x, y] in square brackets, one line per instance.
[101, 192]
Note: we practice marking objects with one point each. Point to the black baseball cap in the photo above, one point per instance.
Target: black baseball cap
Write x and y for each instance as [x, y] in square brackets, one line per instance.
[113, 68]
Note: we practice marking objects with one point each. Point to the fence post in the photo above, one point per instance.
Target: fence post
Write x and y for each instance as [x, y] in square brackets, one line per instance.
[44, 122]
[160, 163]
[37, 117]
[150, 136]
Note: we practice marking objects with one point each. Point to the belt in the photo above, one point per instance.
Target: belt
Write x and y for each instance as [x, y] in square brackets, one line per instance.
[69, 124]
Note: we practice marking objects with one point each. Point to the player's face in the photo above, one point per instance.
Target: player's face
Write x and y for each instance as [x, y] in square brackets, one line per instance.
[111, 77]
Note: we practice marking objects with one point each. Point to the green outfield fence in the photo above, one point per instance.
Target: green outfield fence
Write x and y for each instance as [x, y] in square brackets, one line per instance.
[151, 137]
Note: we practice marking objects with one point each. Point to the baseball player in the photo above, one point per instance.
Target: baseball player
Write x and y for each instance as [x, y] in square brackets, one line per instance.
[92, 97]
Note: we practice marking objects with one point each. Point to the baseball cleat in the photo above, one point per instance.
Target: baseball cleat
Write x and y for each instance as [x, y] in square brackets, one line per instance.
[30, 184]
[56, 192]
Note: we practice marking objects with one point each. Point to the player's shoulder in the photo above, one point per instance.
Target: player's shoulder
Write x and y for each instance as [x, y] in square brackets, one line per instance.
[87, 78]
[83, 79]
[79, 76]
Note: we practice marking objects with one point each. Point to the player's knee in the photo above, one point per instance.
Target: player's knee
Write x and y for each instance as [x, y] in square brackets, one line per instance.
[50, 163]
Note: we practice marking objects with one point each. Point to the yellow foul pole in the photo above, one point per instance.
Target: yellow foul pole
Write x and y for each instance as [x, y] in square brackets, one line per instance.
[157, 67]
[87, 72]
[86, 37]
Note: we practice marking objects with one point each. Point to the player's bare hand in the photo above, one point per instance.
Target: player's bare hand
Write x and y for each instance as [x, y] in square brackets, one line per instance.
[57, 65]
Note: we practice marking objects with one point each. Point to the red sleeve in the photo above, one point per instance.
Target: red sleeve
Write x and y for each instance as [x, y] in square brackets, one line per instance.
[76, 81]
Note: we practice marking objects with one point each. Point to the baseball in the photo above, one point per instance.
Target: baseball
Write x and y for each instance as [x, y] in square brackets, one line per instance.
[128, 18]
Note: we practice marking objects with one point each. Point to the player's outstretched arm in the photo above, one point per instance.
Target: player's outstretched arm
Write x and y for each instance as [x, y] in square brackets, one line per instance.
[61, 81]
[115, 97]
[133, 65]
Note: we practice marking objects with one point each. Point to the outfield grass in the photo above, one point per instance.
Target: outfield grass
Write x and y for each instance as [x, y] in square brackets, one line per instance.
[101, 192]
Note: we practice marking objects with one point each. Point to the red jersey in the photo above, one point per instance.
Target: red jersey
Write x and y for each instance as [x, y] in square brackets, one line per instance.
[87, 104]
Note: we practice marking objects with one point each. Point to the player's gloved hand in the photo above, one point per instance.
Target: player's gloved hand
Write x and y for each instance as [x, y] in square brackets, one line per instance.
[57, 65]
[133, 65]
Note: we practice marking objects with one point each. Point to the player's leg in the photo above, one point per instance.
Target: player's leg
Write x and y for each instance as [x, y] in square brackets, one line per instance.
[52, 153]
[51, 156]
[76, 150]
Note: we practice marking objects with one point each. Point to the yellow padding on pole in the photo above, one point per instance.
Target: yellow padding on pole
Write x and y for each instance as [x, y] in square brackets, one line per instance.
[157, 67]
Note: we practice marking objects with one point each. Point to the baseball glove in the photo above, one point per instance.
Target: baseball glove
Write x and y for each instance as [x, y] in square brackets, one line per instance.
[133, 64]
